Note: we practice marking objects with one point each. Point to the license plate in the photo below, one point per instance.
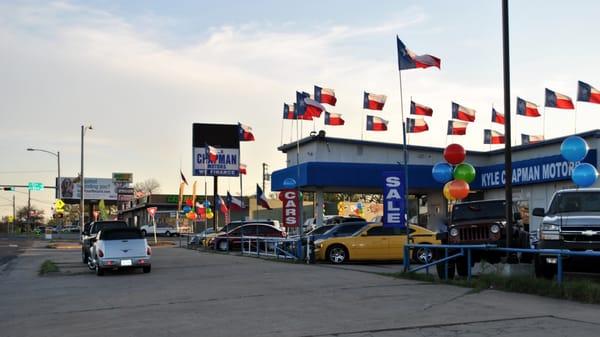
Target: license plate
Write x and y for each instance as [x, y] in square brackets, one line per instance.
[126, 262]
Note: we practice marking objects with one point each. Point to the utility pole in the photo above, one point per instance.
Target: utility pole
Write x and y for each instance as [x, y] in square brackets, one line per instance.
[507, 126]
[265, 174]
[14, 214]
[29, 207]
[82, 184]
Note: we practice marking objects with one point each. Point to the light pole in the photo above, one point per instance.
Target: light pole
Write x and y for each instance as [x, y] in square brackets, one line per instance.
[82, 183]
[57, 155]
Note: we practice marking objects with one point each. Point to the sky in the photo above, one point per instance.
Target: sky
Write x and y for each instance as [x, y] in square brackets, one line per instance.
[141, 72]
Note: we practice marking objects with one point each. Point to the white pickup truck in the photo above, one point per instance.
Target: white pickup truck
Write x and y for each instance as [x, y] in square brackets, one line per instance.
[160, 230]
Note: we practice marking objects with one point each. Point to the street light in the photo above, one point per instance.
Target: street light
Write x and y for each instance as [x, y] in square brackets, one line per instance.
[57, 155]
[82, 182]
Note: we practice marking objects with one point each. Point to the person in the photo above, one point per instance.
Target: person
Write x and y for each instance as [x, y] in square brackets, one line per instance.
[66, 188]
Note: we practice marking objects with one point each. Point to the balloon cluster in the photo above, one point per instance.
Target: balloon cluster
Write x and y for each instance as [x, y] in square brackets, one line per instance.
[193, 214]
[457, 178]
[574, 149]
[341, 207]
[359, 210]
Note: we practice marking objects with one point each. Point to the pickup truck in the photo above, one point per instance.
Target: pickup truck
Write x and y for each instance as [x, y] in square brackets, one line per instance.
[571, 222]
[481, 222]
[160, 230]
[120, 248]
[88, 237]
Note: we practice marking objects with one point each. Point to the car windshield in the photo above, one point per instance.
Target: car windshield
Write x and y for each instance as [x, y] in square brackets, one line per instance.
[476, 211]
[98, 226]
[121, 234]
[321, 230]
[570, 202]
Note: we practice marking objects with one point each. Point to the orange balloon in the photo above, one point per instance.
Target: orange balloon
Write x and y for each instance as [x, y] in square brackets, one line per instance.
[446, 192]
[459, 189]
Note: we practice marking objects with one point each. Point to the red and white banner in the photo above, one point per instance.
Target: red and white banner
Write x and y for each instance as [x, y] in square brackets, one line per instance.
[151, 211]
[291, 208]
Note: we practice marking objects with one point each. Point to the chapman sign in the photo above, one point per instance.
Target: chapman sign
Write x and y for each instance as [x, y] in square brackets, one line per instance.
[394, 204]
[291, 208]
[225, 139]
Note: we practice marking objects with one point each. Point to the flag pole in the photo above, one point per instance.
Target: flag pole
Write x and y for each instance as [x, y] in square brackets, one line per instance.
[575, 128]
[544, 123]
[281, 142]
[206, 188]
[408, 239]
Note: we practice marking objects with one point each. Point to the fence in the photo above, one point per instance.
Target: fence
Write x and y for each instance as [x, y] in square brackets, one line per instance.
[272, 247]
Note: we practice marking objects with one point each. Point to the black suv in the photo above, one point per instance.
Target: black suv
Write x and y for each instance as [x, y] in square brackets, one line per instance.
[88, 237]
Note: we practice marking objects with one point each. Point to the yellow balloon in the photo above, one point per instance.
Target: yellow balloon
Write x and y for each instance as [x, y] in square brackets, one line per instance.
[446, 192]
[210, 215]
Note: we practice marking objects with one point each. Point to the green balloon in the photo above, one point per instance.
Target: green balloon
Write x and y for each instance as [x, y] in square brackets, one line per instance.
[464, 172]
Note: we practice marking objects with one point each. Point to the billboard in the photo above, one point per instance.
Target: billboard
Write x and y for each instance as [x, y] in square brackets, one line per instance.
[95, 188]
[223, 137]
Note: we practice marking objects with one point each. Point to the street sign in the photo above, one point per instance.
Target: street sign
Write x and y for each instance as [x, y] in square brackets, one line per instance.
[59, 204]
[11, 219]
[35, 186]
[151, 211]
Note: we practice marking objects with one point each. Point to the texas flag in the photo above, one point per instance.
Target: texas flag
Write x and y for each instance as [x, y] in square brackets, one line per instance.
[313, 107]
[525, 108]
[409, 60]
[234, 203]
[373, 102]
[301, 106]
[221, 205]
[261, 199]
[497, 117]
[531, 139]
[457, 128]
[492, 137]
[325, 95]
[289, 111]
[212, 153]
[587, 93]
[245, 133]
[333, 119]
[462, 113]
[242, 168]
[415, 125]
[201, 211]
[375, 123]
[420, 109]
[559, 101]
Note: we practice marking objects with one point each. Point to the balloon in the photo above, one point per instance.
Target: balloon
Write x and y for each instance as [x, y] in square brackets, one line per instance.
[454, 154]
[359, 205]
[574, 148]
[584, 175]
[446, 192]
[442, 172]
[458, 189]
[206, 203]
[189, 202]
[210, 215]
[186, 209]
[464, 172]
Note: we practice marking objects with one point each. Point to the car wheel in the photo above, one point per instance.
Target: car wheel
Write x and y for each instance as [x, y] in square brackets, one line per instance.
[423, 255]
[147, 269]
[544, 269]
[337, 254]
[167, 233]
[99, 271]
[84, 257]
[144, 233]
[223, 245]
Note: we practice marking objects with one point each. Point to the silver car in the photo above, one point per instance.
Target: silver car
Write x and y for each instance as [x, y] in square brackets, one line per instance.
[120, 248]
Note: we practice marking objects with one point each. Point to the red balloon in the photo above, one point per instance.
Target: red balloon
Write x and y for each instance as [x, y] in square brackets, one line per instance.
[454, 154]
[459, 189]
[189, 202]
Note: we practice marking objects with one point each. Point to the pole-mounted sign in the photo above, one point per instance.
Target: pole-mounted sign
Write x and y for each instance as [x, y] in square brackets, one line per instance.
[291, 208]
[394, 205]
[152, 212]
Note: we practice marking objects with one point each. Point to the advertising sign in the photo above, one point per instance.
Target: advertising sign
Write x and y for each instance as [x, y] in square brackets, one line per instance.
[225, 139]
[394, 204]
[291, 208]
[120, 177]
[95, 189]
[125, 193]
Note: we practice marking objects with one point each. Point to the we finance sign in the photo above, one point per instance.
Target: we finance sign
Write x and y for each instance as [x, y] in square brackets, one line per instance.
[224, 138]
[533, 171]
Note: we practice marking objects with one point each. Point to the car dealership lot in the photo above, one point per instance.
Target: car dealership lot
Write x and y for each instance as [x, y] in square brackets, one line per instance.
[196, 293]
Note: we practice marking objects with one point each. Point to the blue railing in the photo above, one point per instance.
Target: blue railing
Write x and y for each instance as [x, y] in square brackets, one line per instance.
[272, 247]
[463, 250]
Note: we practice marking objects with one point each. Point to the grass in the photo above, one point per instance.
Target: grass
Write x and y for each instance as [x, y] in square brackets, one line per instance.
[581, 290]
[48, 267]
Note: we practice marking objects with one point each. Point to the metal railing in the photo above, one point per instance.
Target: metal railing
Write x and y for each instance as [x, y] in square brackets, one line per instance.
[466, 250]
[271, 247]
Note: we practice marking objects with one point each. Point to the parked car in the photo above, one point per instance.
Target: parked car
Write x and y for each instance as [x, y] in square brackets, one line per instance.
[311, 223]
[88, 237]
[572, 222]
[374, 242]
[161, 229]
[198, 239]
[232, 240]
[235, 224]
[120, 248]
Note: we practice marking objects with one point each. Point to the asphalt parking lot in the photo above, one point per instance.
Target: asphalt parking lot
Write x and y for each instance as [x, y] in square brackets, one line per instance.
[192, 293]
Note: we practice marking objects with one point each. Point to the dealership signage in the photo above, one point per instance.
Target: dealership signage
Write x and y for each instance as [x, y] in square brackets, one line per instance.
[532, 171]
[394, 203]
[225, 139]
[291, 208]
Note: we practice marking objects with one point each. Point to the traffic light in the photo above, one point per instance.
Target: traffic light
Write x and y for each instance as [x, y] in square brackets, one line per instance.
[8, 188]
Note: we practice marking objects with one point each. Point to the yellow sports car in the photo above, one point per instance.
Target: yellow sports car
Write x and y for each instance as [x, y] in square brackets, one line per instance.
[375, 242]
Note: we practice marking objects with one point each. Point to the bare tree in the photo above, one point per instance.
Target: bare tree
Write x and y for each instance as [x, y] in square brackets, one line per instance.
[146, 187]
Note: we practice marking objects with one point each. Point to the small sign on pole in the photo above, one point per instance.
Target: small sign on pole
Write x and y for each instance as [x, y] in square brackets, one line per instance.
[35, 186]
[291, 208]
[394, 205]
[152, 212]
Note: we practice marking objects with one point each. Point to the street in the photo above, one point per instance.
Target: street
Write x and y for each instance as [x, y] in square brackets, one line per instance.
[191, 293]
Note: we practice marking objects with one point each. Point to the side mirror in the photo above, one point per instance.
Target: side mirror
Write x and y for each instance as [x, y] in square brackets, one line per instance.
[517, 216]
[538, 212]
[363, 234]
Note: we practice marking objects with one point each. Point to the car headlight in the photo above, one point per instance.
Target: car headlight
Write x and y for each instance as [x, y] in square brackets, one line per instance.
[319, 243]
[454, 232]
[549, 227]
[495, 229]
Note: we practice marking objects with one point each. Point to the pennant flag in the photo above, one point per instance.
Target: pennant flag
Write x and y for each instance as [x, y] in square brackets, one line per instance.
[221, 205]
[234, 204]
[245, 133]
[492, 137]
[497, 117]
[415, 125]
[559, 101]
[462, 113]
[375, 123]
[525, 108]
[261, 199]
[587, 93]
[373, 102]
[301, 106]
[289, 111]
[325, 95]
[530, 139]
[212, 153]
[408, 60]
[313, 107]
[183, 177]
[457, 128]
[242, 168]
[333, 119]
[420, 109]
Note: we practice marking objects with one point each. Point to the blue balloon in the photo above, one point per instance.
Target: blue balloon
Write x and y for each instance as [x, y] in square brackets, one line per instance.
[442, 172]
[584, 175]
[574, 148]
[206, 203]
[187, 208]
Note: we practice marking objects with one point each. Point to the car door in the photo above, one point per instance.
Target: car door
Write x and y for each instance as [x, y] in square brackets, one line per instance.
[371, 244]
[397, 241]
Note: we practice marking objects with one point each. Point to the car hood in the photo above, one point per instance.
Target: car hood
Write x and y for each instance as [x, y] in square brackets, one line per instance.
[475, 222]
[573, 219]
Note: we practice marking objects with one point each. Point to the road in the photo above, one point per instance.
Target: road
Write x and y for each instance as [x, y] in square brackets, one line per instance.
[193, 293]
[11, 247]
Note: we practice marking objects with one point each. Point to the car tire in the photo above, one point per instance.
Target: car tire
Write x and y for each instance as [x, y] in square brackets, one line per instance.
[440, 267]
[144, 233]
[422, 255]
[222, 245]
[337, 254]
[99, 271]
[544, 269]
[147, 269]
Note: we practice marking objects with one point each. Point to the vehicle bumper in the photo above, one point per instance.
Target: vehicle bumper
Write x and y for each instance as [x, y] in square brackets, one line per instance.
[319, 253]
[574, 246]
[118, 262]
